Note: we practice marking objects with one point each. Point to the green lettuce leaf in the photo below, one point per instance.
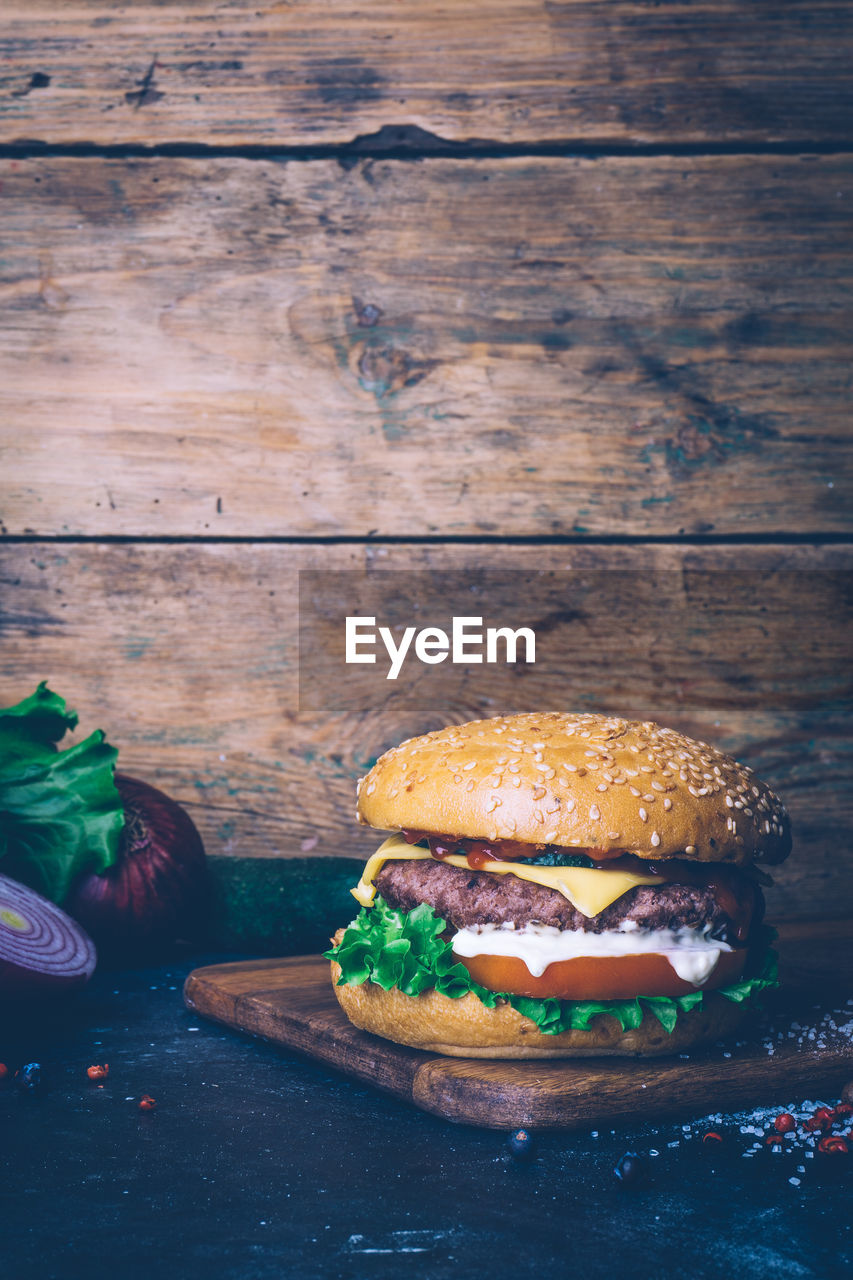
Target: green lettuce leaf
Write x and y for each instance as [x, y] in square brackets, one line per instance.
[60, 811]
[406, 950]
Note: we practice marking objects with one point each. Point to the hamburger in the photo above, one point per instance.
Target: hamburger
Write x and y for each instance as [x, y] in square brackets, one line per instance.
[560, 885]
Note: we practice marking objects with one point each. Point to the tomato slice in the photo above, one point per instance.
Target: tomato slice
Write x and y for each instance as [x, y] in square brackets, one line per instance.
[598, 977]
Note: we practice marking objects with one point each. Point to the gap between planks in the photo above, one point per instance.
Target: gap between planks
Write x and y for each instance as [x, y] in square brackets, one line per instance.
[431, 147]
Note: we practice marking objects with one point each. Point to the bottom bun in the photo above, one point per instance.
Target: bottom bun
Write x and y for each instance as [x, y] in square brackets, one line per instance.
[466, 1028]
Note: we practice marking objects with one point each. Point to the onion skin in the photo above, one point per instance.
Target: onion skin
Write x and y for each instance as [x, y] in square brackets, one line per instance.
[157, 891]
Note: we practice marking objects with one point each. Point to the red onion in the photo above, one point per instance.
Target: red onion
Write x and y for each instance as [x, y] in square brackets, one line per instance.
[42, 951]
[157, 891]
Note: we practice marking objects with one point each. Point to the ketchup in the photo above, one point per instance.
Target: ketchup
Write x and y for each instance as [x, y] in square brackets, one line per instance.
[478, 852]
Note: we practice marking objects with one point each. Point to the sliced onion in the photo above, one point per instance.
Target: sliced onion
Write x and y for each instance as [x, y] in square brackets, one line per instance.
[42, 950]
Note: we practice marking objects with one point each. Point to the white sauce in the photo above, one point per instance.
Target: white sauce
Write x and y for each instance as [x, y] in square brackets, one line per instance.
[692, 954]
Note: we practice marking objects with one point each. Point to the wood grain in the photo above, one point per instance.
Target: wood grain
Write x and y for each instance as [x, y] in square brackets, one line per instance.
[508, 70]
[291, 1003]
[188, 656]
[504, 347]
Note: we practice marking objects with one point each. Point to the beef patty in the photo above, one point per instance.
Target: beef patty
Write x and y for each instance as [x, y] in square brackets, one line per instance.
[468, 898]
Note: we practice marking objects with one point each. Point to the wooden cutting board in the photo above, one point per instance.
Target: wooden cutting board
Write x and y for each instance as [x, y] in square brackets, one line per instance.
[291, 1003]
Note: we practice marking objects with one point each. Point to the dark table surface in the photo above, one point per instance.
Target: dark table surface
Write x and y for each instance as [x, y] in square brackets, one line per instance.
[257, 1163]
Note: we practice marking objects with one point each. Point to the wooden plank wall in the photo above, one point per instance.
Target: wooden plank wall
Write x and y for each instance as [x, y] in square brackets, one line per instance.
[506, 285]
[517, 71]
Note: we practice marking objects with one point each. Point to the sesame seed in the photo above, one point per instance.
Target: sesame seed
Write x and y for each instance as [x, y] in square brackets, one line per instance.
[690, 848]
[471, 764]
[594, 812]
[469, 785]
[655, 839]
[538, 792]
[371, 787]
[667, 803]
[643, 815]
[569, 768]
[634, 792]
[516, 782]
[613, 835]
[570, 805]
[650, 798]
[513, 768]
[729, 800]
[492, 805]
[539, 815]
[602, 786]
[657, 786]
[551, 835]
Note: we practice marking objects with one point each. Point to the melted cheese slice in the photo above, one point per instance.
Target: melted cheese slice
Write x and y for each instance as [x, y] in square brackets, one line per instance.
[588, 889]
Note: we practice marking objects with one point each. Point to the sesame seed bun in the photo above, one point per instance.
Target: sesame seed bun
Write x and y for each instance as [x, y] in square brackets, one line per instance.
[466, 1028]
[578, 781]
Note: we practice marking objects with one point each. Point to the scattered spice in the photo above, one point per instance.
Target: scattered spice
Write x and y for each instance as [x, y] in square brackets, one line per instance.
[146, 1102]
[833, 1144]
[28, 1079]
[712, 1136]
[784, 1122]
[4, 1071]
[521, 1145]
[629, 1168]
[99, 1071]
